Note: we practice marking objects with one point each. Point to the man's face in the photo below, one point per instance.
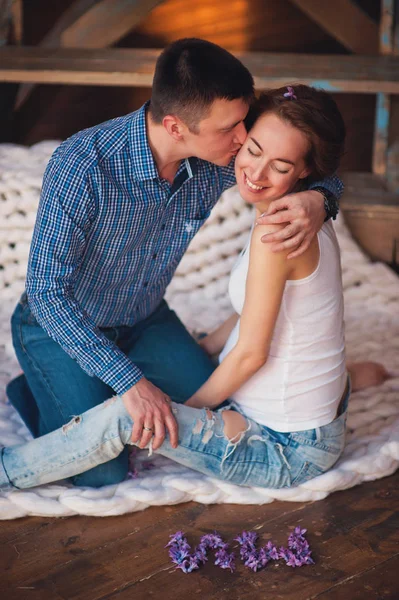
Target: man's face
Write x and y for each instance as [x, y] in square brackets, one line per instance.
[221, 134]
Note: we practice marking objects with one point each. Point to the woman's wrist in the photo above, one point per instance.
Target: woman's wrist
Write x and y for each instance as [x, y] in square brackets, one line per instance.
[210, 344]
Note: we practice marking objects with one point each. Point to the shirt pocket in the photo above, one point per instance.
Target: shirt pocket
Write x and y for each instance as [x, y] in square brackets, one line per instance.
[191, 226]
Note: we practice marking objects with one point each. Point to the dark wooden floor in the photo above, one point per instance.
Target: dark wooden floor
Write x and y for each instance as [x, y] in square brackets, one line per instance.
[353, 534]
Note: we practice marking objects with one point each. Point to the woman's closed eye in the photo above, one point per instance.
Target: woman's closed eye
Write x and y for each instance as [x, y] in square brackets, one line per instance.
[255, 155]
[280, 170]
[252, 153]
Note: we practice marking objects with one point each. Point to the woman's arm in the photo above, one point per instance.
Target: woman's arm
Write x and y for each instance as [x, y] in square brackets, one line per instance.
[215, 341]
[267, 274]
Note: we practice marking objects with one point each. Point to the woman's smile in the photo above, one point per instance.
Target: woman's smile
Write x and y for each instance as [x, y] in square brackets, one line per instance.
[252, 186]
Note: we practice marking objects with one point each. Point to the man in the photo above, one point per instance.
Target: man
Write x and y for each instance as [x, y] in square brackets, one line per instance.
[120, 204]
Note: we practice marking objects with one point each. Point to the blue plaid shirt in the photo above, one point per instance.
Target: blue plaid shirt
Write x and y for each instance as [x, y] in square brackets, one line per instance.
[109, 235]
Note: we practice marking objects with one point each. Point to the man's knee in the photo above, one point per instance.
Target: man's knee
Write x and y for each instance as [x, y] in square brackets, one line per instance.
[109, 473]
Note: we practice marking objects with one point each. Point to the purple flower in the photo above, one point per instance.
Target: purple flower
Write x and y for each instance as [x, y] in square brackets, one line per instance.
[180, 552]
[247, 537]
[133, 473]
[175, 538]
[291, 560]
[225, 560]
[188, 566]
[297, 554]
[147, 466]
[200, 555]
[290, 94]
[271, 551]
[212, 540]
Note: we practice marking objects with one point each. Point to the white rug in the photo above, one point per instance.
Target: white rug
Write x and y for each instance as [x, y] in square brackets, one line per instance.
[198, 293]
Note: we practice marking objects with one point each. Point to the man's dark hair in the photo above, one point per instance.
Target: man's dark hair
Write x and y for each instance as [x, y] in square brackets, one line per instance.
[190, 75]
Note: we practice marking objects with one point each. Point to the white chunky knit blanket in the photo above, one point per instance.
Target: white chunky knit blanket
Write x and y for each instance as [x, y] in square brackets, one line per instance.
[198, 294]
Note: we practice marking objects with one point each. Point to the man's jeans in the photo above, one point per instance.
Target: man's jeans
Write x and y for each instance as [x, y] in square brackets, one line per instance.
[56, 388]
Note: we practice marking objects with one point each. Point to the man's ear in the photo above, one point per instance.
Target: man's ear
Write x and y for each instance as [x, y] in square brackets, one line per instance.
[175, 127]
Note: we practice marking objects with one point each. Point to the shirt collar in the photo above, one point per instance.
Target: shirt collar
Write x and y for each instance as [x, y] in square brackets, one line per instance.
[143, 163]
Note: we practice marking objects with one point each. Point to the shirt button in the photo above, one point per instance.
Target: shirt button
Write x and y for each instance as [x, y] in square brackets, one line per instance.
[145, 283]
[154, 256]
[163, 227]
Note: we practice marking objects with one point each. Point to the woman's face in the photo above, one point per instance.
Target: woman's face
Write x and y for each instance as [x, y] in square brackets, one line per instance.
[271, 161]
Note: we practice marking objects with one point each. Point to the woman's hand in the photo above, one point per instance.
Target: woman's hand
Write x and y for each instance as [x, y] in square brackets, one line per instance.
[214, 342]
[304, 216]
[207, 343]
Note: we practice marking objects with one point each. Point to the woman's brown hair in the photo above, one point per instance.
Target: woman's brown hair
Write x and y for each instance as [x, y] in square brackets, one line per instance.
[315, 113]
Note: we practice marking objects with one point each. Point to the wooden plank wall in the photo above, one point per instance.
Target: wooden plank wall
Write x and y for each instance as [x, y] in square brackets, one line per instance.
[264, 25]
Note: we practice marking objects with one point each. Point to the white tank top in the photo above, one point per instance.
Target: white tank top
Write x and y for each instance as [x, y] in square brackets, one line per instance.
[301, 384]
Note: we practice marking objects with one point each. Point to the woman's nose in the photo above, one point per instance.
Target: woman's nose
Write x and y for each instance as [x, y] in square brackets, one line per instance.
[258, 174]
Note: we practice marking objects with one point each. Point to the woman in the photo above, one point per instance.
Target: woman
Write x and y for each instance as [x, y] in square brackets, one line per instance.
[282, 363]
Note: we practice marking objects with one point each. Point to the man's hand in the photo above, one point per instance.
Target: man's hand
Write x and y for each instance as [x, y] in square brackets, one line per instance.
[304, 214]
[152, 414]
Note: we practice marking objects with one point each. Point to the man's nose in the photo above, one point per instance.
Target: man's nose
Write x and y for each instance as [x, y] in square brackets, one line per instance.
[240, 133]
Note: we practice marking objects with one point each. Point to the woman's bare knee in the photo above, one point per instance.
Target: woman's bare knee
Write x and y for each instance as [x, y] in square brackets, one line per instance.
[234, 424]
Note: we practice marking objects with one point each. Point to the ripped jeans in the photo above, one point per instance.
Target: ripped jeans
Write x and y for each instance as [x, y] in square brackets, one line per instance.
[258, 456]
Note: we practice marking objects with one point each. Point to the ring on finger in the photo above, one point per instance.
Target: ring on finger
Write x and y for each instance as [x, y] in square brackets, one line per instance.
[148, 429]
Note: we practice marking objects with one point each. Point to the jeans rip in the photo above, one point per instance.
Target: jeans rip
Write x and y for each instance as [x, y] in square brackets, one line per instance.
[211, 426]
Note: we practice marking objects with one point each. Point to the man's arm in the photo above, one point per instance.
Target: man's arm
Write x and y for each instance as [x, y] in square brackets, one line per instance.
[304, 214]
[64, 219]
[58, 244]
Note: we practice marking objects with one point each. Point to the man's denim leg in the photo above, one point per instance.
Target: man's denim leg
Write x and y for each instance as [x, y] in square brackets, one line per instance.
[22, 399]
[168, 355]
[60, 388]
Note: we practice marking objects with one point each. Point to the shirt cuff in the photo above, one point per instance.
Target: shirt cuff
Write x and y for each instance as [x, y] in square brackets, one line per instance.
[120, 374]
[334, 185]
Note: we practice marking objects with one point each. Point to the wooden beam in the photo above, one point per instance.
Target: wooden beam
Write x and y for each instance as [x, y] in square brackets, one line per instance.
[96, 23]
[72, 14]
[126, 67]
[345, 21]
[92, 24]
[53, 39]
[17, 20]
[106, 22]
